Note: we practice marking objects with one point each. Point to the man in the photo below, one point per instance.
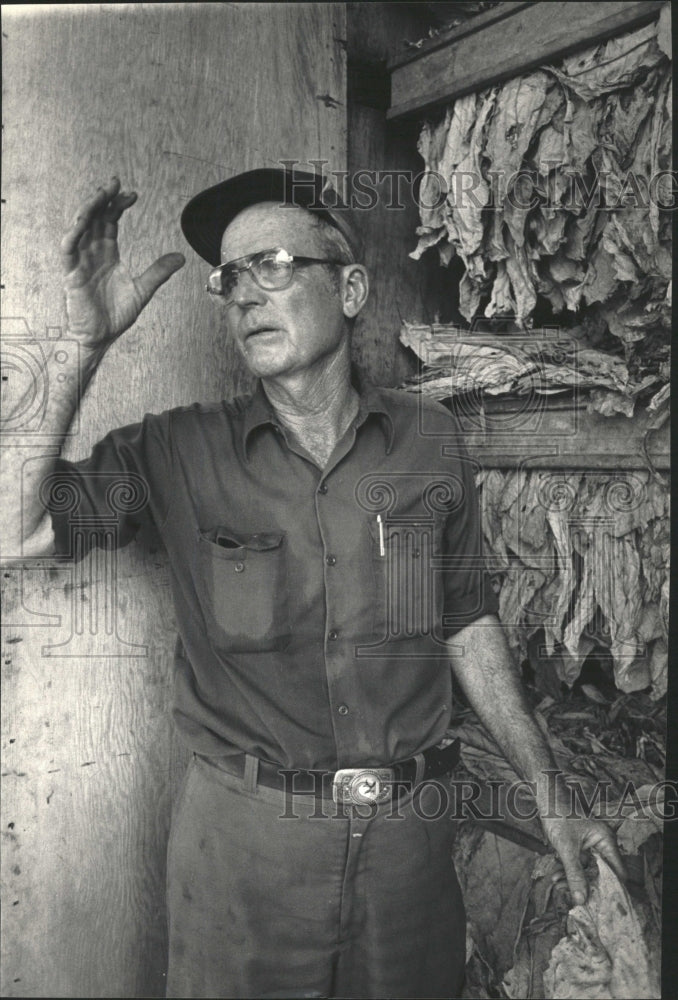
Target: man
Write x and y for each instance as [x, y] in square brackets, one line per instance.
[325, 549]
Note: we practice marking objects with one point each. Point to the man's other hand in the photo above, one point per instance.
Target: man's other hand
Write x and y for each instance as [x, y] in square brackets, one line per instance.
[102, 298]
[571, 838]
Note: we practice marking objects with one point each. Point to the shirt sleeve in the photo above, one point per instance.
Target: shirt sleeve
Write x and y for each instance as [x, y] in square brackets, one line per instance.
[468, 590]
[104, 499]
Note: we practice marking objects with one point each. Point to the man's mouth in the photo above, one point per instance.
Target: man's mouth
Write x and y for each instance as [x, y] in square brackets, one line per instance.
[258, 330]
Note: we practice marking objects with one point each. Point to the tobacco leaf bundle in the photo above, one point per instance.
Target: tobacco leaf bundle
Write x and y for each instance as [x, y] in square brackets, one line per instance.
[555, 184]
[524, 939]
[582, 559]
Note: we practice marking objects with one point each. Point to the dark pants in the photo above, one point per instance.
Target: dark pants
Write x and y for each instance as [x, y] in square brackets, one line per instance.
[311, 903]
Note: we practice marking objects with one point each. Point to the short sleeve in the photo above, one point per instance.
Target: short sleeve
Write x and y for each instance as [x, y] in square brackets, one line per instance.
[468, 590]
[104, 499]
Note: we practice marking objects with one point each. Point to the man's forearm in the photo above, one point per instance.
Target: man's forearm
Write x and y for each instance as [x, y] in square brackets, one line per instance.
[25, 527]
[482, 663]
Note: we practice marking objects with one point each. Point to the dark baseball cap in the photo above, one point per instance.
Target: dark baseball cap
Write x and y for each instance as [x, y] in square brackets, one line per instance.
[207, 215]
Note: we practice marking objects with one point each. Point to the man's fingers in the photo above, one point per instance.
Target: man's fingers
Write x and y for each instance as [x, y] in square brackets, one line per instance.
[105, 223]
[158, 273]
[598, 838]
[118, 205]
[577, 884]
[607, 849]
[574, 872]
[83, 219]
[93, 206]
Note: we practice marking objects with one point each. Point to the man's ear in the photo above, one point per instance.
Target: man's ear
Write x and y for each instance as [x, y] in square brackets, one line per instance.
[355, 287]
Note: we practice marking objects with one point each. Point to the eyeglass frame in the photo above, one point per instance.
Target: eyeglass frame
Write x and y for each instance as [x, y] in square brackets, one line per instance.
[252, 259]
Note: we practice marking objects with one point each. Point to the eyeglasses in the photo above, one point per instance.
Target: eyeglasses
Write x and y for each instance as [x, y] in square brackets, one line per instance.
[272, 270]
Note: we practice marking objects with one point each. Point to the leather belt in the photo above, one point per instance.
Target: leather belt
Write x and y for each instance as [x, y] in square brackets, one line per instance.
[355, 785]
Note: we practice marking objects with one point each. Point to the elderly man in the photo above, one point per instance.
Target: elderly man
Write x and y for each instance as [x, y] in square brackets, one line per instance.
[325, 549]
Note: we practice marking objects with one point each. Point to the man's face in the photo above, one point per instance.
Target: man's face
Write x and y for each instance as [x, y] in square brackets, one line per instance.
[282, 331]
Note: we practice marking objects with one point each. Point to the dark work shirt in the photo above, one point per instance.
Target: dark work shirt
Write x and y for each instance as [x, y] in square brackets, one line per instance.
[312, 606]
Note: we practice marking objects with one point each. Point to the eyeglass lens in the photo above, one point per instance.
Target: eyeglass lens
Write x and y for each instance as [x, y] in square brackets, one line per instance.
[269, 270]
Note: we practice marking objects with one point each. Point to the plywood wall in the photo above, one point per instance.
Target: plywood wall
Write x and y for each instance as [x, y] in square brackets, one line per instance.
[172, 97]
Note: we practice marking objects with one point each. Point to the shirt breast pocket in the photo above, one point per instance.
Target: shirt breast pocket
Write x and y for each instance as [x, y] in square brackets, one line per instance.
[245, 584]
[408, 590]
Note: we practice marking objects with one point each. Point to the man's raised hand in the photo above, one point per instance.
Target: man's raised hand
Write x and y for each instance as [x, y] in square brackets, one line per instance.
[102, 298]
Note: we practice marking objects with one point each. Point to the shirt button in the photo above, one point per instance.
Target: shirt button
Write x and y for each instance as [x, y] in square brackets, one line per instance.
[239, 567]
[343, 710]
[333, 634]
[322, 488]
[331, 560]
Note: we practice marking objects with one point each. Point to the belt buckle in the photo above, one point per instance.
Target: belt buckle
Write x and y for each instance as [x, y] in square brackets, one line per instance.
[361, 786]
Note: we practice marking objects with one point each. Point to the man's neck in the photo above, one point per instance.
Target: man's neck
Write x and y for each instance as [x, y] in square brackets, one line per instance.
[316, 406]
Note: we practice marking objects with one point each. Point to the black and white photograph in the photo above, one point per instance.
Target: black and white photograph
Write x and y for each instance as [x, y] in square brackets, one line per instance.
[335, 479]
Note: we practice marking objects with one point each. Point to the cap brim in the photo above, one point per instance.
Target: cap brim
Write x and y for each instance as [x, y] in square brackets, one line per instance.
[207, 215]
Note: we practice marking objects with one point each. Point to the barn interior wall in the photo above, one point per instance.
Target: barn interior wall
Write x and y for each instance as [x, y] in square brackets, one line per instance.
[172, 98]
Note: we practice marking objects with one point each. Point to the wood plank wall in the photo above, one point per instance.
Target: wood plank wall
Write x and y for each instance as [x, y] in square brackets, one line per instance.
[172, 97]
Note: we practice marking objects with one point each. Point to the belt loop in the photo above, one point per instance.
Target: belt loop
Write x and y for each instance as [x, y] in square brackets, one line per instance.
[251, 773]
[419, 773]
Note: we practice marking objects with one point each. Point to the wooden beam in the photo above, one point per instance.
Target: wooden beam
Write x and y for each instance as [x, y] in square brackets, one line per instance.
[445, 37]
[530, 36]
[566, 437]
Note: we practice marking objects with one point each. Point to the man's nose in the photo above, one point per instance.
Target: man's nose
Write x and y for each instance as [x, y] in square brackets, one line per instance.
[247, 291]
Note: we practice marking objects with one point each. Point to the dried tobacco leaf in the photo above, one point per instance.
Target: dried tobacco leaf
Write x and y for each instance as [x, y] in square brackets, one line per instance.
[644, 822]
[515, 120]
[522, 286]
[612, 65]
[609, 403]
[591, 244]
[600, 280]
[496, 862]
[428, 237]
[584, 608]
[501, 300]
[541, 927]
[664, 30]
[515, 595]
[622, 116]
[604, 955]
[572, 547]
[616, 583]
[659, 398]
[467, 201]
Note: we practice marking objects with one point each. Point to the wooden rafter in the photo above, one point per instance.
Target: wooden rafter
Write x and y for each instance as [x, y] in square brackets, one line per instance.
[507, 40]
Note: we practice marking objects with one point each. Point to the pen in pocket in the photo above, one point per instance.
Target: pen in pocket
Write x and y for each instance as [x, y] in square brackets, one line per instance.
[382, 550]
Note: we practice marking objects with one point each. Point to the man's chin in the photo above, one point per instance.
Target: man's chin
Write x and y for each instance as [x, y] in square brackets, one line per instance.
[262, 359]
[262, 367]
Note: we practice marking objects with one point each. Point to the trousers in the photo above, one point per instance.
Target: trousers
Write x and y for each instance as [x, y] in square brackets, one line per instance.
[272, 894]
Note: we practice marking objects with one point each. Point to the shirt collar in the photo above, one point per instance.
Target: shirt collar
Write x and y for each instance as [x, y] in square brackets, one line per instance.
[259, 412]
